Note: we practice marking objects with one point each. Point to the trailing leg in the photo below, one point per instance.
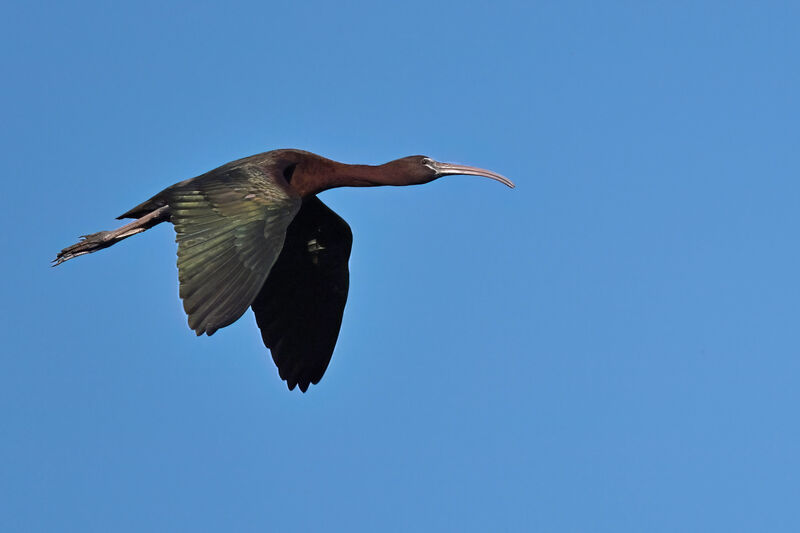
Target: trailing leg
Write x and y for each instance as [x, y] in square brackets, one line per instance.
[104, 239]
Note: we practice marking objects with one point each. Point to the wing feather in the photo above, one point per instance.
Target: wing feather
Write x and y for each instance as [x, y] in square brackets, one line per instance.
[299, 310]
[230, 227]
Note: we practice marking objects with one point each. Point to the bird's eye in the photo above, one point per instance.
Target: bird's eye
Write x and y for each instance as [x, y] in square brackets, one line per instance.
[428, 162]
[288, 171]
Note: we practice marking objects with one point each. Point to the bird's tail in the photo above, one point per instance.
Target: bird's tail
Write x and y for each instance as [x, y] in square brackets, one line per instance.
[104, 239]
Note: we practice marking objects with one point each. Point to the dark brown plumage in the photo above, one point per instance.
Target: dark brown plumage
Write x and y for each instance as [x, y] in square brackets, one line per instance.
[252, 233]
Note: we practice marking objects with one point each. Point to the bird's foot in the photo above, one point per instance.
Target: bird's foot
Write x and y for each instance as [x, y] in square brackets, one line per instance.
[88, 244]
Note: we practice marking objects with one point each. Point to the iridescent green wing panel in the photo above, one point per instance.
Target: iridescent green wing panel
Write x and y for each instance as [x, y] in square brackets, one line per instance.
[230, 229]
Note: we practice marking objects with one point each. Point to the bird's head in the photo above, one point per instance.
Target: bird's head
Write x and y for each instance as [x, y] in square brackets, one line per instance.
[418, 169]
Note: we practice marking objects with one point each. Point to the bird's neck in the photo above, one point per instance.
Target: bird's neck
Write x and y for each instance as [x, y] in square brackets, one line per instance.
[313, 177]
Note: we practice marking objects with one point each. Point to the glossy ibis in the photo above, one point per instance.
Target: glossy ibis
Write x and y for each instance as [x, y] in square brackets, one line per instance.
[253, 233]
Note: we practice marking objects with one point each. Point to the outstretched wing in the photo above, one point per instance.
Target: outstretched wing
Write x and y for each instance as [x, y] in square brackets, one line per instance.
[230, 227]
[299, 309]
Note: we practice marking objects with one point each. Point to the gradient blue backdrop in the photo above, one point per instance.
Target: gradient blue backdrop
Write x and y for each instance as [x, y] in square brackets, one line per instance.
[613, 346]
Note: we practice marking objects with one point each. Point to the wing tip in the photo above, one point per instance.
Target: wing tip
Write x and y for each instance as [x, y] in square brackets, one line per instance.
[301, 384]
[203, 329]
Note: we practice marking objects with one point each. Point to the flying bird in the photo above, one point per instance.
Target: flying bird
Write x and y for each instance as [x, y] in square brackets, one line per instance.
[252, 233]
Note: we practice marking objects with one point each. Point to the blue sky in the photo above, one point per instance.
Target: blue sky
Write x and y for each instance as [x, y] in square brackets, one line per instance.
[612, 346]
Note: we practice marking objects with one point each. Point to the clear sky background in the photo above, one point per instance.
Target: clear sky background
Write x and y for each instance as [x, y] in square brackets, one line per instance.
[613, 346]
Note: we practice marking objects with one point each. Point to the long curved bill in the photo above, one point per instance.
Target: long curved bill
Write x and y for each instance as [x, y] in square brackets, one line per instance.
[447, 169]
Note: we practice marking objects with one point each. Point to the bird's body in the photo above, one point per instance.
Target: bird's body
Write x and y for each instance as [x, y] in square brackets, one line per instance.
[252, 233]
